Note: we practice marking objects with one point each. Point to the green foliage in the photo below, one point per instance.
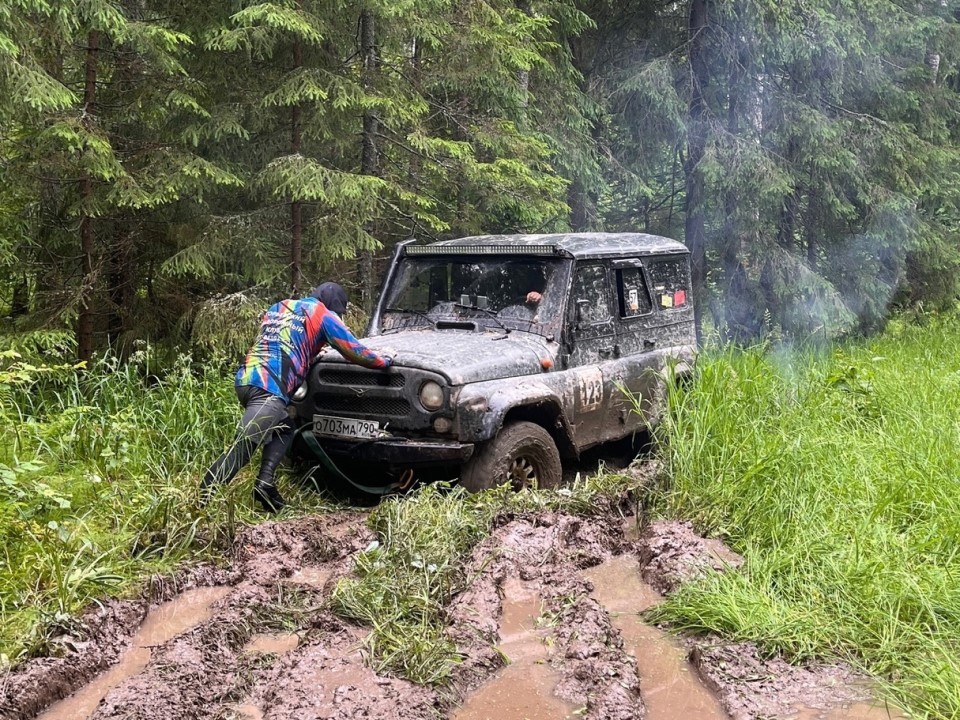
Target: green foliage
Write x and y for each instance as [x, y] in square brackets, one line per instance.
[834, 473]
[225, 326]
[98, 483]
[830, 166]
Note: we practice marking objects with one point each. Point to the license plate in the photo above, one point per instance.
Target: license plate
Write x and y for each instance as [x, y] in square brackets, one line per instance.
[345, 427]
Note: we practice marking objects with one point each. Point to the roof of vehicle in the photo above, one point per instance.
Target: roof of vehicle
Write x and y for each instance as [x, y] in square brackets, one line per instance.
[581, 245]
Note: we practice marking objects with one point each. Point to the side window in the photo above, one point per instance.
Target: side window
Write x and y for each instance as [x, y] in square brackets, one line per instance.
[632, 294]
[670, 281]
[591, 297]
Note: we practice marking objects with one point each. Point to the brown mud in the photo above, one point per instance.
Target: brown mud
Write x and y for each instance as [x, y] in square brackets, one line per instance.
[548, 624]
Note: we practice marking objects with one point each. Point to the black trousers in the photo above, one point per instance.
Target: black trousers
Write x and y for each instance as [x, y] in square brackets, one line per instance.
[265, 422]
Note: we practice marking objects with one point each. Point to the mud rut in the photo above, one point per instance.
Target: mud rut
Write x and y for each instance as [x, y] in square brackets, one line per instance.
[548, 628]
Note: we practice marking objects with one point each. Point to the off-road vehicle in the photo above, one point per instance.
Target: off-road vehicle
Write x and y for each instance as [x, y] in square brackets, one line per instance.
[511, 353]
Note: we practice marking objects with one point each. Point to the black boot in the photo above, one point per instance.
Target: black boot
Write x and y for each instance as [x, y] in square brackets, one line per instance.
[268, 496]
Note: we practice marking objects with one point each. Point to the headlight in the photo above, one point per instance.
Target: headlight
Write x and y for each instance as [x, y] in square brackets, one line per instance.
[431, 395]
[300, 393]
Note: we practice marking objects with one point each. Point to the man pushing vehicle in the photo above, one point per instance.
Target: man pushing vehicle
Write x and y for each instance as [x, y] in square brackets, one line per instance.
[292, 332]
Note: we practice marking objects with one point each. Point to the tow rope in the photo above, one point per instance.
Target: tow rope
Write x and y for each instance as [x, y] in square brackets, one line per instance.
[310, 439]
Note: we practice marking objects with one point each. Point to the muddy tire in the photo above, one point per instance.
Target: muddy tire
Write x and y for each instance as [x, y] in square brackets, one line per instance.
[522, 455]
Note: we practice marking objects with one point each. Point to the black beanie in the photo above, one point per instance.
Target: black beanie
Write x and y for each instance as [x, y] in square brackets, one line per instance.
[331, 295]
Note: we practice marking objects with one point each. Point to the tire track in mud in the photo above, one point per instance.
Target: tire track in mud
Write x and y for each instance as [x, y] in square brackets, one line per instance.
[532, 623]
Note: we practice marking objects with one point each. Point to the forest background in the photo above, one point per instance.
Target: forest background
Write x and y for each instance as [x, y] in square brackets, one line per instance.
[167, 169]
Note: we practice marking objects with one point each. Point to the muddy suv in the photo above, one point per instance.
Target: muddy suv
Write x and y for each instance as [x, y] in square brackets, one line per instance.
[511, 353]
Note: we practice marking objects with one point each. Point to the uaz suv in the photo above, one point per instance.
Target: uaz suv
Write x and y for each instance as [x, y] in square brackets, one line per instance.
[511, 353]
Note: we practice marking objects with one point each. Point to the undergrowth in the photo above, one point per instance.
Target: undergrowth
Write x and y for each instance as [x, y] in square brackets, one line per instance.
[98, 485]
[837, 475]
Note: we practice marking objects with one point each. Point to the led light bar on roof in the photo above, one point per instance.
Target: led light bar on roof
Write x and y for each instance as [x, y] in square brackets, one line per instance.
[481, 250]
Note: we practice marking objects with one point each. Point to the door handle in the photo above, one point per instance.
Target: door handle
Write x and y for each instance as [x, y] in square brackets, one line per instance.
[605, 352]
[649, 344]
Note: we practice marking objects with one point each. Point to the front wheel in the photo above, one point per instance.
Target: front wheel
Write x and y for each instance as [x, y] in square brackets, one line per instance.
[522, 455]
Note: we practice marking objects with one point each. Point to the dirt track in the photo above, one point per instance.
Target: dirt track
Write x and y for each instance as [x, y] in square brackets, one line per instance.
[546, 593]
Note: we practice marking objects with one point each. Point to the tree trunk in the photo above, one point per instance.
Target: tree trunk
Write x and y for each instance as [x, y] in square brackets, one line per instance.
[812, 227]
[296, 207]
[523, 76]
[369, 160]
[121, 285]
[737, 311]
[20, 302]
[577, 200]
[695, 226]
[87, 243]
[415, 164]
[787, 227]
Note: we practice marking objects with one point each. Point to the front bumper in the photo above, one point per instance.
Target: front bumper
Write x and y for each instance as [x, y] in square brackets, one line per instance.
[399, 451]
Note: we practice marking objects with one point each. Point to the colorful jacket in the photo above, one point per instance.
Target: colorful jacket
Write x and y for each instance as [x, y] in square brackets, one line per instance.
[292, 332]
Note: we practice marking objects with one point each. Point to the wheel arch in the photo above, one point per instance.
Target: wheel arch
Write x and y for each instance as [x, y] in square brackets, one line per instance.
[547, 414]
[484, 408]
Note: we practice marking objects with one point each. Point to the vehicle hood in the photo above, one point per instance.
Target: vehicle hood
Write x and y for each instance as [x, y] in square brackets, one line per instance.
[463, 356]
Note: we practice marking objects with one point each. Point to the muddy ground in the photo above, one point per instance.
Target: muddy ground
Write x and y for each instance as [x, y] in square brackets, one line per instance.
[548, 627]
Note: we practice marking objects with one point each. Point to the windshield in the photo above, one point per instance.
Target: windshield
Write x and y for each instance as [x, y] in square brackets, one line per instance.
[513, 293]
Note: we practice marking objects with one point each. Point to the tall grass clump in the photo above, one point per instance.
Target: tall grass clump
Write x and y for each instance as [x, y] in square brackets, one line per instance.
[403, 582]
[98, 483]
[837, 475]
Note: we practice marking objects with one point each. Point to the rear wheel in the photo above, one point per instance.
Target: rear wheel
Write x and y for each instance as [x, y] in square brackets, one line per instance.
[522, 455]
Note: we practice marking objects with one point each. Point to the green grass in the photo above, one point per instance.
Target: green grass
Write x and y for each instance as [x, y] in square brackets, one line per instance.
[98, 486]
[837, 475]
[402, 583]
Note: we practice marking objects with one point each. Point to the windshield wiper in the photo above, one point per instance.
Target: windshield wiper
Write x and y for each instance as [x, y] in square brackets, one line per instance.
[426, 317]
[490, 313]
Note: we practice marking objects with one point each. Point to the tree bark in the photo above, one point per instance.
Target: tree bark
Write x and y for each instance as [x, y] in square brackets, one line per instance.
[738, 311]
[121, 285]
[787, 227]
[296, 207]
[523, 76]
[369, 158]
[695, 225]
[812, 224]
[85, 317]
[20, 302]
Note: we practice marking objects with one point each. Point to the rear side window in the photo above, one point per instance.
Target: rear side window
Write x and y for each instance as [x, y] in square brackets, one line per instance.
[632, 294]
[590, 292]
[670, 282]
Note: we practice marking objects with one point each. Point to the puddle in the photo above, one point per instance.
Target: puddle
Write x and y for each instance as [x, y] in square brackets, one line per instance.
[524, 689]
[631, 528]
[518, 622]
[670, 686]
[163, 623]
[278, 643]
[518, 692]
[247, 712]
[856, 711]
[315, 577]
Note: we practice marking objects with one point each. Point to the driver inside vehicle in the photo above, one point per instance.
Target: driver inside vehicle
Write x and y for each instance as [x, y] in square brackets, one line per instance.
[528, 298]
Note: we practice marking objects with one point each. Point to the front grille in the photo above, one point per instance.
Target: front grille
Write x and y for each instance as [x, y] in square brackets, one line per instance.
[365, 406]
[368, 379]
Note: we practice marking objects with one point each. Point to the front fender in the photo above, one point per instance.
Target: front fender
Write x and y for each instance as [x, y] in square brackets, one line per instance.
[482, 407]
